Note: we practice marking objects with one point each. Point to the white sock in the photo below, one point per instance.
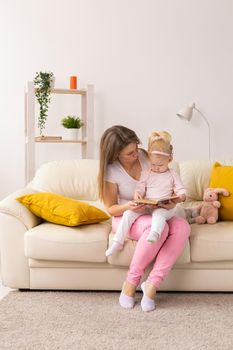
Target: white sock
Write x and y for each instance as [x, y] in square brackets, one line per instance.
[147, 303]
[115, 247]
[153, 237]
[126, 301]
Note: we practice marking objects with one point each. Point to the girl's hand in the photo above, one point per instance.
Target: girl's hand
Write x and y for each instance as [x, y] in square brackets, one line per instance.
[180, 199]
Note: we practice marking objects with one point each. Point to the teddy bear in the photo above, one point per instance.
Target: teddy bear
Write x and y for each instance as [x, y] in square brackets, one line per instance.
[207, 212]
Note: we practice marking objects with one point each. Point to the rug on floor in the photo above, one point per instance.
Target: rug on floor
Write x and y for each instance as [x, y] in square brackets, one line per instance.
[41, 320]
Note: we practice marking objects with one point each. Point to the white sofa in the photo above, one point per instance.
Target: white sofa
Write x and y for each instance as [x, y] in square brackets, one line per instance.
[42, 255]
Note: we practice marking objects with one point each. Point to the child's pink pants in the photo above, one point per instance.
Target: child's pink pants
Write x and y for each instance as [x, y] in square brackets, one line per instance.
[165, 251]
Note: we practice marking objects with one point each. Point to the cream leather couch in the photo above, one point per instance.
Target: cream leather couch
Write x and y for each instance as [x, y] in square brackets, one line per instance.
[41, 255]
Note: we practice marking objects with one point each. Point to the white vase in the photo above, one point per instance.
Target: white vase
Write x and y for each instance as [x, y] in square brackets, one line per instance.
[71, 134]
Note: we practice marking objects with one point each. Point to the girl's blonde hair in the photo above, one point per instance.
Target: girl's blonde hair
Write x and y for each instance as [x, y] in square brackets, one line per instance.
[112, 142]
[160, 141]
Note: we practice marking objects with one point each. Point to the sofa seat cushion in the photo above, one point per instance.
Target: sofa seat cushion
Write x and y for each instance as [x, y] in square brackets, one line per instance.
[85, 243]
[209, 265]
[123, 257]
[212, 242]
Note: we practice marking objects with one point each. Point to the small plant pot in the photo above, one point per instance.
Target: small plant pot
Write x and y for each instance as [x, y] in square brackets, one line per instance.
[71, 134]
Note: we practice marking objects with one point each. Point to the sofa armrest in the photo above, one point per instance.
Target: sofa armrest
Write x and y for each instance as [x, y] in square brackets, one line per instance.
[11, 206]
[15, 271]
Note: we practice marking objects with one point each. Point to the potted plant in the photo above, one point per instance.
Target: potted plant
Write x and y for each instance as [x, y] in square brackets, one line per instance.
[72, 124]
[43, 83]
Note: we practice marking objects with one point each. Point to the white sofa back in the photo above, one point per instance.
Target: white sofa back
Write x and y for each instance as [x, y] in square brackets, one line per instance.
[195, 175]
[78, 178]
[71, 178]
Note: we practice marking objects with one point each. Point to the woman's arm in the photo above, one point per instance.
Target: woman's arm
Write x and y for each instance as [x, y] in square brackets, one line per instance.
[111, 199]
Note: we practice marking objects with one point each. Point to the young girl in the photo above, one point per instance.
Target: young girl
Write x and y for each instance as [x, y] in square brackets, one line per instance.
[156, 182]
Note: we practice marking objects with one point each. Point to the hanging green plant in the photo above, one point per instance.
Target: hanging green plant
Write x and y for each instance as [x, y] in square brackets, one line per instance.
[43, 84]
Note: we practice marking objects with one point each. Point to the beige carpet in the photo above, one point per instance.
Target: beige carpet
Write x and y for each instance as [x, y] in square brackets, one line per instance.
[94, 320]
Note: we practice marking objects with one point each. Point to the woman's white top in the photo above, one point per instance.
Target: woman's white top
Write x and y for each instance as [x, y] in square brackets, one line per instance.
[126, 184]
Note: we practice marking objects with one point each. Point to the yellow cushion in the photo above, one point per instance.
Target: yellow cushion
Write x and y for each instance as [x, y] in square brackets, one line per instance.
[222, 176]
[61, 210]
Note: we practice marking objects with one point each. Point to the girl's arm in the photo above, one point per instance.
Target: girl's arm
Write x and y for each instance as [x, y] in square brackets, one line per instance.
[111, 201]
[179, 189]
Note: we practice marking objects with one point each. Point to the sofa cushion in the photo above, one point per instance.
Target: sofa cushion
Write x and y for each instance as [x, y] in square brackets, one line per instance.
[71, 178]
[61, 210]
[54, 242]
[222, 176]
[195, 176]
[212, 242]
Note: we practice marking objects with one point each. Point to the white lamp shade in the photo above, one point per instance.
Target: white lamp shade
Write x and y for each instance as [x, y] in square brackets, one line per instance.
[186, 113]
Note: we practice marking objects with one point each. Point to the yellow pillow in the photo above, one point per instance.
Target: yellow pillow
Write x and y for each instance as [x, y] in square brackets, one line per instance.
[222, 176]
[61, 210]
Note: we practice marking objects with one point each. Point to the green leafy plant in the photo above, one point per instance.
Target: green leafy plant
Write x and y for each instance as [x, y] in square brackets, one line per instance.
[42, 83]
[72, 122]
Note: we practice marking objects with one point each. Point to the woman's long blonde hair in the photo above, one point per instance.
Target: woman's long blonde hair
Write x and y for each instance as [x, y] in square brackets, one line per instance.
[112, 142]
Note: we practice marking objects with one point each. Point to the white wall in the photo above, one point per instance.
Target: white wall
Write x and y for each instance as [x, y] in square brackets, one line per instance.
[146, 58]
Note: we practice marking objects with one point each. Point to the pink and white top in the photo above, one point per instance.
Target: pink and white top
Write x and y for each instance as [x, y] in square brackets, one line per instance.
[126, 184]
[155, 186]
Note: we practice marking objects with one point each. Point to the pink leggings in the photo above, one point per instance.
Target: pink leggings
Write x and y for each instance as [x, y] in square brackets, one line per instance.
[165, 251]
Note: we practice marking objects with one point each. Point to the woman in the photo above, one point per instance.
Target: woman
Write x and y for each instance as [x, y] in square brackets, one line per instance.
[121, 164]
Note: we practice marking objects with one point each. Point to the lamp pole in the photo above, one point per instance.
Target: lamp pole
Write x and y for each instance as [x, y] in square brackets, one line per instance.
[206, 120]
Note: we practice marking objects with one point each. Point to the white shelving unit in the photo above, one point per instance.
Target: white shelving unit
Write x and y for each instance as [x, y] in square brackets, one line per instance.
[87, 131]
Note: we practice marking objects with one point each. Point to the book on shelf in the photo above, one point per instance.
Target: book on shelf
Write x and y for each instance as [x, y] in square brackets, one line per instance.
[47, 138]
[154, 201]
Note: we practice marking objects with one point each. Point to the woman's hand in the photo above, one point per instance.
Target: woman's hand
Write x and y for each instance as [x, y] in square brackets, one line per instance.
[137, 196]
[131, 205]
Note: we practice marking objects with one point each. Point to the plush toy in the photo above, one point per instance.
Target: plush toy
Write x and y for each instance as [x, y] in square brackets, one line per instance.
[208, 210]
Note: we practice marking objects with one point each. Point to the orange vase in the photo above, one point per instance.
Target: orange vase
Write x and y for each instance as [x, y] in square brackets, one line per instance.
[73, 82]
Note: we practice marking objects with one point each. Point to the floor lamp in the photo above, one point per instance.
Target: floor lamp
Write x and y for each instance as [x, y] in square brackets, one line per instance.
[187, 113]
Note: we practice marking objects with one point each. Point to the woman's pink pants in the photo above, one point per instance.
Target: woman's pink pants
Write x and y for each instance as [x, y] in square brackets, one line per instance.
[165, 252]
